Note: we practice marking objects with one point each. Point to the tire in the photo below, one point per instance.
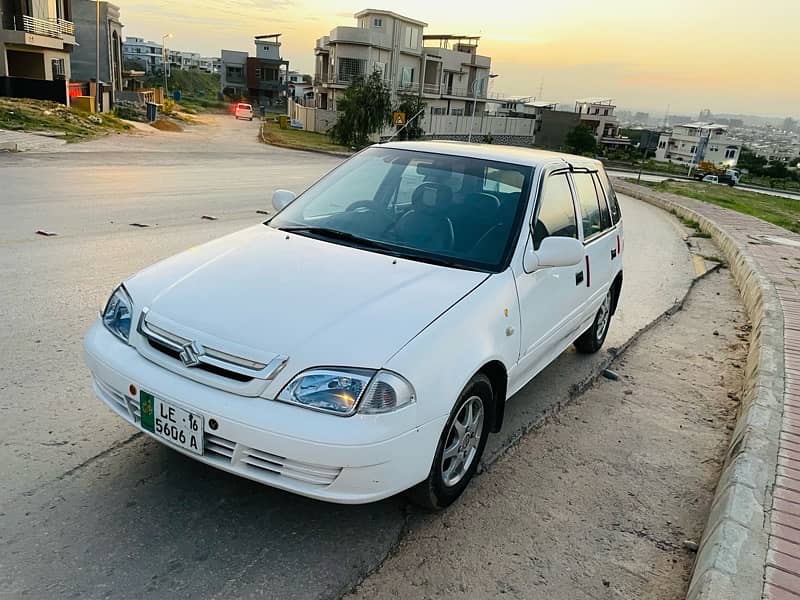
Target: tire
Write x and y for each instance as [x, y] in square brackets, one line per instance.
[447, 478]
[592, 339]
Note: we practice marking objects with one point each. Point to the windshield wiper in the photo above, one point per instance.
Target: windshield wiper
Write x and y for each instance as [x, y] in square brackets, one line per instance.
[391, 249]
[335, 234]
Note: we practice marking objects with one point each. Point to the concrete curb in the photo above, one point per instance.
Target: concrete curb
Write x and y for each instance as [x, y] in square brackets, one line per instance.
[290, 147]
[733, 550]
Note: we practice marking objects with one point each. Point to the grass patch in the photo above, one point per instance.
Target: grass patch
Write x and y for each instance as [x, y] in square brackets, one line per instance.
[24, 114]
[784, 212]
[299, 139]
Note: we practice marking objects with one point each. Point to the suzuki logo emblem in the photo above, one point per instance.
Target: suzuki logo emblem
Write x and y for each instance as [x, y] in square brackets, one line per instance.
[191, 353]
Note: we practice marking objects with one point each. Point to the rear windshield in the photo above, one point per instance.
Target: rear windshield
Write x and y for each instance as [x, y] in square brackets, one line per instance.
[245, 106]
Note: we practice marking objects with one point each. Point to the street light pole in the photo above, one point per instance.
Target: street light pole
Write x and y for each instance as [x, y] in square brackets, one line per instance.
[475, 87]
[97, 56]
[164, 60]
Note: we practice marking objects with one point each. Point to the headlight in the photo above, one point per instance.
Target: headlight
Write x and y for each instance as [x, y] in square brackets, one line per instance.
[118, 313]
[339, 391]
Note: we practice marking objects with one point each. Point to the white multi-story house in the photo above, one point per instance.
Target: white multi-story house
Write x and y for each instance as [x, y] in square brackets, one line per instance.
[698, 142]
[150, 54]
[210, 64]
[186, 61]
[445, 70]
[36, 39]
[598, 114]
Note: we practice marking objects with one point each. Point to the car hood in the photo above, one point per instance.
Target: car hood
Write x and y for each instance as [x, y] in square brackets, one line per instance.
[318, 303]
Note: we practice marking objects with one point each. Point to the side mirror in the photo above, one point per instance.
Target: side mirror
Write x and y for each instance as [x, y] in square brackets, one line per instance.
[554, 252]
[282, 198]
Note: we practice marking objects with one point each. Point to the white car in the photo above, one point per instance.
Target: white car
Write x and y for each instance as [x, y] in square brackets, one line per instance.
[365, 340]
[711, 179]
[243, 111]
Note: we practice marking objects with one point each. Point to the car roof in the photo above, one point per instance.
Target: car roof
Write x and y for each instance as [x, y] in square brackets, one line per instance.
[510, 154]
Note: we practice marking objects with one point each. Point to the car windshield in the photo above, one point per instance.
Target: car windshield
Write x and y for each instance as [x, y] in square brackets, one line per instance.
[444, 209]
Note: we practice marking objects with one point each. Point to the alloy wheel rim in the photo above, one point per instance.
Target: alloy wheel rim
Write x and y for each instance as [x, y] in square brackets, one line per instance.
[461, 444]
[603, 317]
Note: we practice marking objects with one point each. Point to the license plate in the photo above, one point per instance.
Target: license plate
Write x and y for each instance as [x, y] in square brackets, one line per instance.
[171, 423]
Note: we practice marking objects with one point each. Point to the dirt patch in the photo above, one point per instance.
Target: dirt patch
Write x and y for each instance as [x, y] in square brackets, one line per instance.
[605, 501]
[166, 125]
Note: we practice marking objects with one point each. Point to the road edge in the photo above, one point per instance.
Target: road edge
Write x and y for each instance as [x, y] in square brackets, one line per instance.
[733, 550]
[298, 148]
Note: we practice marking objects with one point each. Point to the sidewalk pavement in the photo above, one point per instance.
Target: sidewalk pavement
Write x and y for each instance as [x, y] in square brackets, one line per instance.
[754, 526]
[20, 141]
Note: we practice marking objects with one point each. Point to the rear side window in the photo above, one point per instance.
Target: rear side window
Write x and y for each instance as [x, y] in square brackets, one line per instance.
[556, 211]
[594, 212]
[613, 203]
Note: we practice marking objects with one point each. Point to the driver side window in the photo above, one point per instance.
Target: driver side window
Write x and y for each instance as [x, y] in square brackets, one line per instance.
[556, 211]
[343, 191]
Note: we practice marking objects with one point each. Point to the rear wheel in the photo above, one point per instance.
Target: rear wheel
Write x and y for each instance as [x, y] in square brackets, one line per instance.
[460, 447]
[592, 339]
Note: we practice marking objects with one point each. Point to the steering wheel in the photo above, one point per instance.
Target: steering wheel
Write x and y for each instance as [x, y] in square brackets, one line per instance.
[361, 204]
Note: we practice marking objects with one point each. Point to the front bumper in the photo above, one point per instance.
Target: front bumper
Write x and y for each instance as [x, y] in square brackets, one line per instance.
[302, 451]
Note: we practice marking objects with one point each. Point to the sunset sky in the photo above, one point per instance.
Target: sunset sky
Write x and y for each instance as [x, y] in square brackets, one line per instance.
[731, 57]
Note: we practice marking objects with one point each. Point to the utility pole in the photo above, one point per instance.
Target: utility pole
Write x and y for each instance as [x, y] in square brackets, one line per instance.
[97, 57]
[475, 86]
[165, 60]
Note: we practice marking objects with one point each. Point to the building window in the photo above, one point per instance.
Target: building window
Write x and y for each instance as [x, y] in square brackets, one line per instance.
[438, 110]
[730, 152]
[377, 22]
[693, 150]
[351, 69]
[406, 76]
[380, 67]
[457, 112]
[411, 37]
[58, 68]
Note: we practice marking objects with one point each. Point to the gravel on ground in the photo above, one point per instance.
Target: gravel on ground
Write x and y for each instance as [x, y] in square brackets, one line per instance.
[608, 500]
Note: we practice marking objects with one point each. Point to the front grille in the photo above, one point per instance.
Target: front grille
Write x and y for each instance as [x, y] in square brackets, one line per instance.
[220, 446]
[279, 465]
[211, 360]
[267, 465]
[174, 354]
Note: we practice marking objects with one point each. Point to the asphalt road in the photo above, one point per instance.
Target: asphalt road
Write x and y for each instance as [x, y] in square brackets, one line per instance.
[743, 186]
[91, 509]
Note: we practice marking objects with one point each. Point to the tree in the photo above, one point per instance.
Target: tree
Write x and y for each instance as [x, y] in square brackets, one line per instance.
[132, 64]
[748, 161]
[364, 108]
[411, 105]
[581, 140]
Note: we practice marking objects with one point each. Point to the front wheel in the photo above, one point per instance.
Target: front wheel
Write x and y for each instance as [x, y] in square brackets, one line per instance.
[592, 339]
[460, 447]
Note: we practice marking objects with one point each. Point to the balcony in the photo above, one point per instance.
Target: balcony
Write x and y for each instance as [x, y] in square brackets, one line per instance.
[359, 36]
[49, 29]
[456, 92]
[55, 28]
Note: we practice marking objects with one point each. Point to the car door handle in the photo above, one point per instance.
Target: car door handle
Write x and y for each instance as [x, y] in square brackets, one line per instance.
[613, 253]
[579, 278]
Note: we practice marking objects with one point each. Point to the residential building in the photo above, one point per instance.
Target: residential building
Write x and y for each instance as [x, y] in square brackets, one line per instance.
[150, 55]
[266, 73]
[697, 142]
[261, 78]
[553, 126]
[84, 57]
[445, 70]
[36, 38]
[180, 59]
[598, 115]
[300, 86]
[210, 64]
[233, 66]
